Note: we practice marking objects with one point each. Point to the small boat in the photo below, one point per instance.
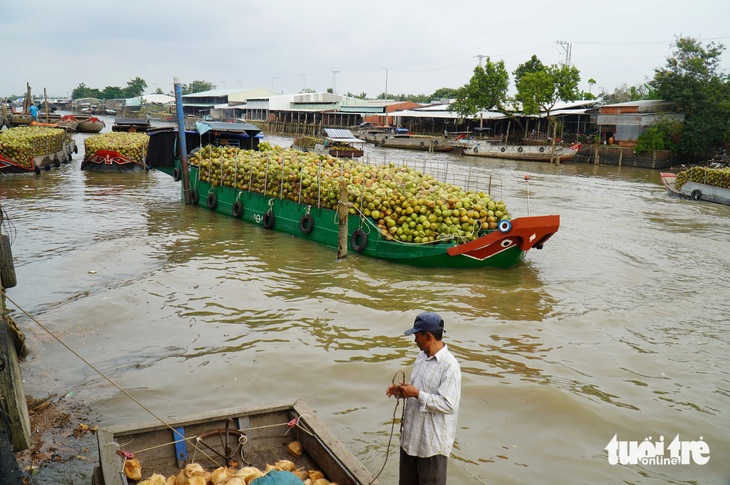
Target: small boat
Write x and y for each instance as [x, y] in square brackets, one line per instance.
[528, 152]
[253, 436]
[68, 122]
[410, 141]
[502, 245]
[131, 125]
[91, 124]
[691, 189]
[27, 149]
[341, 143]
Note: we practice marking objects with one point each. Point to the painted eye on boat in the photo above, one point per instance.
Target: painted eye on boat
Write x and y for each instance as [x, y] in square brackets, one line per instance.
[506, 243]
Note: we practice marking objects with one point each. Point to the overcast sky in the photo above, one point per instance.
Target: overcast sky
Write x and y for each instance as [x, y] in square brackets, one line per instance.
[393, 46]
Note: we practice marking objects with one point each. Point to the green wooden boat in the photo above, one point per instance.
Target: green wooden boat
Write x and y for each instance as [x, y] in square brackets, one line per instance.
[502, 247]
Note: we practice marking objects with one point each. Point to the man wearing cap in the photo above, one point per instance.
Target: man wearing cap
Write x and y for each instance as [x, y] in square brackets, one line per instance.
[432, 399]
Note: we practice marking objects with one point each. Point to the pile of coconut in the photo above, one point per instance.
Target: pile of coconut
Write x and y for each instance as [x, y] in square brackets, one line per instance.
[283, 471]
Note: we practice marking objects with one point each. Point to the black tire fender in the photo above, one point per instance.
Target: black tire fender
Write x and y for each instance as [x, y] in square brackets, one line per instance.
[475, 149]
[696, 194]
[176, 174]
[422, 143]
[212, 201]
[306, 223]
[542, 149]
[237, 209]
[194, 196]
[502, 149]
[269, 219]
[7, 269]
[359, 240]
[519, 149]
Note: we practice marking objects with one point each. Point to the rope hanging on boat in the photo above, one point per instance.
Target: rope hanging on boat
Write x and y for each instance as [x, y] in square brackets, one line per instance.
[392, 426]
[95, 369]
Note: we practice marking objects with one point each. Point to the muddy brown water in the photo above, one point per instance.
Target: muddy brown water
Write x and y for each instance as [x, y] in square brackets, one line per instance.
[619, 326]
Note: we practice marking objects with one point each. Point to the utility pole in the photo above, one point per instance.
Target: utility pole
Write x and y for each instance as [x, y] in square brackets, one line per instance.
[386, 83]
[480, 57]
[304, 76]
[334, 82]
[568, 47]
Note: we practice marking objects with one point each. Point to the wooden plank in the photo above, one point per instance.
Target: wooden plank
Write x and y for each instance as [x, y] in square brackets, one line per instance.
[12, 391]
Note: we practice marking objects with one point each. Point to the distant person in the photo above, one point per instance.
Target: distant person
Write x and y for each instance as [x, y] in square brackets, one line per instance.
[431, 404]
[33, 113]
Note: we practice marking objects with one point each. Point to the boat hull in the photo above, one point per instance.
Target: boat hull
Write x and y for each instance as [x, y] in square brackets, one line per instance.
[533, 153]
[39, 162]
[268, 430]
[496, 249]
[695, 190]
[110, 161]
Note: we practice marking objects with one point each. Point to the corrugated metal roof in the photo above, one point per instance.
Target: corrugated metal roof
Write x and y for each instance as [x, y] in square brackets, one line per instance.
[341, 135]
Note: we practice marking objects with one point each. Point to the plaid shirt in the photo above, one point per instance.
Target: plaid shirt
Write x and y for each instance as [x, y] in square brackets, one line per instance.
[429, 423]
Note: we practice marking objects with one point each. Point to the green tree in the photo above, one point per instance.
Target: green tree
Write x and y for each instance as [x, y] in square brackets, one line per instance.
[135, 88]
[625, 93]
[692, 79]
[197, 87]
[540, 90]
[82, 91]
[112, 92]
[486, 90]
[445, 93]
[532, 65]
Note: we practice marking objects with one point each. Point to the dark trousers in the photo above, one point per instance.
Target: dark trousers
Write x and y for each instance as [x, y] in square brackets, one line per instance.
[422, 471]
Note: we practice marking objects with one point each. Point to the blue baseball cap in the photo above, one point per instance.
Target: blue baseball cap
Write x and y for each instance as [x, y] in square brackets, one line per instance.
[426, 322]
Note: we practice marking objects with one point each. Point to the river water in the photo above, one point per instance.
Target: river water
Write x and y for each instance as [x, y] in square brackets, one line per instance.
[618, 327]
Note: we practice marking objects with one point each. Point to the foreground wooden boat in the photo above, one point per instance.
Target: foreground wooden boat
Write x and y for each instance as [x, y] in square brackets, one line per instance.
[214, 439]
[502, 247]
[695, 190]
[528, 152]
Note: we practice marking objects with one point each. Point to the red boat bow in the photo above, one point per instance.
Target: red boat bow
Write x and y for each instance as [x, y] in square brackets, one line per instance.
[525, 232]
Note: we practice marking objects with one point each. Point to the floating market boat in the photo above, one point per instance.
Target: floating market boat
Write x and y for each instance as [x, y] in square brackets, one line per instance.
[67, 122]
[410, 141]
[115, 152]
[339, 143]
[528, 152]
[695, 185]
[90, 124]
[32, 148]
[131, 125]
[502, 244]
[239, 438]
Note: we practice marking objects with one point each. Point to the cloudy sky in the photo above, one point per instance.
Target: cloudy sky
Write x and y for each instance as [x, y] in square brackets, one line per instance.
[373, 46]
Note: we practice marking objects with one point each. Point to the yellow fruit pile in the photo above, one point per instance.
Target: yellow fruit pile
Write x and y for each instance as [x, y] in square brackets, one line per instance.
[719, 177]
[195, 474]
[132, 146]
[23, 143]
[404, 203]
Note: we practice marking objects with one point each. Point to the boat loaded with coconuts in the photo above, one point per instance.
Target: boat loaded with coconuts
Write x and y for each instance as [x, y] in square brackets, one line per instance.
[115, 151]
[395, 213]
[32, 148]
[699, 183]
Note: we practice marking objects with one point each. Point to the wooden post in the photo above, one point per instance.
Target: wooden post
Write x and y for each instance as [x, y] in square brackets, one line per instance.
[597, 159]
[182, 142]
[12, 392]
[620, 156]
[45, 100]
[342, 216]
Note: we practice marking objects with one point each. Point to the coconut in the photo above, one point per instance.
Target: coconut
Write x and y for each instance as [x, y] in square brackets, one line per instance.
[285, 465]
[133, 469]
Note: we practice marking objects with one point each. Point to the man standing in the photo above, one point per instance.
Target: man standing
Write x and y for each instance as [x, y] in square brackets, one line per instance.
[431, 411]
[33, 109]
